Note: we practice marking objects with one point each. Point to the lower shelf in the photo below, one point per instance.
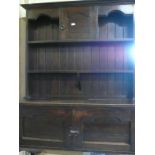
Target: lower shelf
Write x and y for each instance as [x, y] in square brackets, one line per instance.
[72, 127]
[110, 102]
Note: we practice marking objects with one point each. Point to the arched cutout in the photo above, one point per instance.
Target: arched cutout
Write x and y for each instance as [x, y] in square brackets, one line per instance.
[117, 16]
[116, 24]
[43, 28]
[45, 17]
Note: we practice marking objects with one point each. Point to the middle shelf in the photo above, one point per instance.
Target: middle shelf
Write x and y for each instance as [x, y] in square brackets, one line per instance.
[80, 71]
[71, 41]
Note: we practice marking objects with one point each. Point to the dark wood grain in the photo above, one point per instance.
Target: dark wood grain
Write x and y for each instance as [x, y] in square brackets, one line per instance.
[81, 127]
[75, 3]
[83, 20]
[115, 25]
[43, 28]
[88, 61]
[79, 77]
[83, 41]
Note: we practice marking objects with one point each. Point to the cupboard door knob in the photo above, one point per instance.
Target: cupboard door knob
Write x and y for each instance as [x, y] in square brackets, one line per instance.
[74, 132]
[72, 24]
[62, 27]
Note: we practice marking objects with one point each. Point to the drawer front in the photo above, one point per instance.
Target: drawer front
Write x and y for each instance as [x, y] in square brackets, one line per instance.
[43, 126]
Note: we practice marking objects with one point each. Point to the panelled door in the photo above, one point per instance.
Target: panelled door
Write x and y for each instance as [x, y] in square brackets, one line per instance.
[78, 23]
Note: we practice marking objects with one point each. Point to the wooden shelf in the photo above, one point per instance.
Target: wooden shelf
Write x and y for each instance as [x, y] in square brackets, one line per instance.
[70, 3]
[116, 102]
[126, 40]
[80, 71]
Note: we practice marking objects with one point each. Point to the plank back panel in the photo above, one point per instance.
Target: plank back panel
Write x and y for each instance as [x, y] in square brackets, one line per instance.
[80, 71]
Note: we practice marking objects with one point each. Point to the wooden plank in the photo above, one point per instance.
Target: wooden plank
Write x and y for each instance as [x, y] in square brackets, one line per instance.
[74, 3]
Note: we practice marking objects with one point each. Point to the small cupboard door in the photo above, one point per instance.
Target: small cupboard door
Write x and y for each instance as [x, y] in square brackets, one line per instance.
[103, 129]
[78, 23]
[44, 125]
[109, 129]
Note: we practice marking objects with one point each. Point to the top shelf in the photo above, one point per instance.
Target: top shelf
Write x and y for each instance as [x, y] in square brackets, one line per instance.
[73, 3]
[125, 40]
